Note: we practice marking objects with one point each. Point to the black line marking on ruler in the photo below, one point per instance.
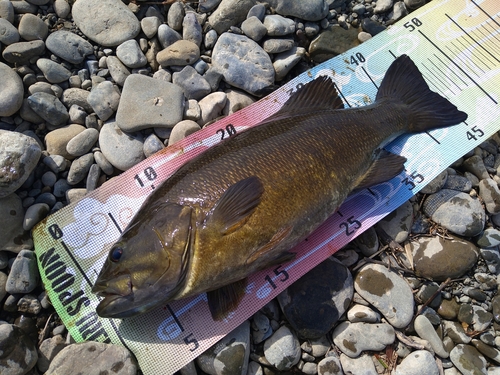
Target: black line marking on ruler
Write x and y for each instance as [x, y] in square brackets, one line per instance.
[489, 34]
[442, 62]
[117, 331]
[340, 213]
[482, 10]
[114, 222]
[474, 40]
[175, 317]
[393, 55]
[341, 95]
[480, 53]
[462, 58]
[371, 192]
[430, 135]
[374, 84]
[458, 66]
[437, 78]
[68, 251]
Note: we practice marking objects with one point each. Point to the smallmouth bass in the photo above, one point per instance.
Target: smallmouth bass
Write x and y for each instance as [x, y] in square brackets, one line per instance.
[243, 204]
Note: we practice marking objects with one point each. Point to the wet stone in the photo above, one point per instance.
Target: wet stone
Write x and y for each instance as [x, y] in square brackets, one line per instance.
[282, 349]
[360, 313]
[468, 360]
[418, 362]
[490, 193]
[487, 350]
[448, 309]
[387, 292]
[29, 304]
[492, 258]
[437, 259]
[398, 223]
[353, 338]
[315, 302]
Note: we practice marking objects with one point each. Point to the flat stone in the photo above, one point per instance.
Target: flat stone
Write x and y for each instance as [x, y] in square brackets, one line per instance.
[253, 28]
[34, 214]
[58, 139]
[69, 46]
[282, 349]
[332, 42]
[417, 363]
[243, 63]
[468, 360]
[490, 193]
[106, 22]
[49, 108]
[105, 359]
[12, 235]
[193, 85]
[83, 142]
[8, 32]
[130, 54]
[181, 130]
[277, 25]
[19, 354]
[22, 52]
[182, 52]
[285, 61]
[387, 292]
[54, 72]
[437, 259]
[147, 102]
[311, 10]
[104, 99]
[426, 331]
[19, 155]
[456, 211]
[398, 223]
[122, 150]
[23, 276]
[229, 13]
[32, 27]
[353, 338]
[315, 302]
[117, 69]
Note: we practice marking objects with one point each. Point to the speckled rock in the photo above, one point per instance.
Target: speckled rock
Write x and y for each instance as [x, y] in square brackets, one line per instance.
[53, 72]
[312, 10]
[490, 193]
[69, 46]
[19, 353]
[282, 349]
[468, 360]
[436, 183]
[23, 277]
[417, 363]
[104, 99]
[398, 223]
[106, 22]
[48, 107]
[19, 155]
[353, 338]
[437, 259]
[229, 13]
[12, 235]
[386, 291]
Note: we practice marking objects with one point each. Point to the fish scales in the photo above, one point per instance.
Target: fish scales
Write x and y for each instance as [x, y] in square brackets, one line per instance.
[242, 205]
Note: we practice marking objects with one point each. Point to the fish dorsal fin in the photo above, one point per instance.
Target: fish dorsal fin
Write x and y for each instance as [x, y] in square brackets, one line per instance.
[386, 166]
[225, 299]
[236, 204]
[315, 95]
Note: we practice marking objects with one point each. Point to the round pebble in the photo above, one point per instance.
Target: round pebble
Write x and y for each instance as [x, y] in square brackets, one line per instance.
[282, 349]
[81, 143]
[122, 150]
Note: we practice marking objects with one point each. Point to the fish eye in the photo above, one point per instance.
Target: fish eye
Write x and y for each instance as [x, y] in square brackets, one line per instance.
[115, 254]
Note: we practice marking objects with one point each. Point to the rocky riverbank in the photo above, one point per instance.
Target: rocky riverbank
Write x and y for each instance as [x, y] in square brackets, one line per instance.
[416, 294]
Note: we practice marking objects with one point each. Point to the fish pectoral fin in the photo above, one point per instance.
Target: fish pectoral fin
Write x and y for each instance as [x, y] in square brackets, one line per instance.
[236, 204]
[268, 247]
[386, 166]
[225, 299]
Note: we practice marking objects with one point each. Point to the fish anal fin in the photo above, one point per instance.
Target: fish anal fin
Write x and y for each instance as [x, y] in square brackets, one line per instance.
[313, 96]
[386, 166]
[225, 299]
[236, 204]
[271, 245]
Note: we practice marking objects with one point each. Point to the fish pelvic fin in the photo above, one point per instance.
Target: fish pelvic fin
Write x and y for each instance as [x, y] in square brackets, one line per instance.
[428, 110]
[236, 204]
[313, 96]
[386, 166]
[225, 299]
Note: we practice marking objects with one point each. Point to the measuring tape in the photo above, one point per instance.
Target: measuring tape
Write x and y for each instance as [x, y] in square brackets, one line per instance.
[455, 44]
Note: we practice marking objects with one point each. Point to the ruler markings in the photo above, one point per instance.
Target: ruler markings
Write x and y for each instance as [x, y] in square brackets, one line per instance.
[369, 76]
[115, 222]
[342, 95]
[451, 70]
[438, 78]
[482, 10]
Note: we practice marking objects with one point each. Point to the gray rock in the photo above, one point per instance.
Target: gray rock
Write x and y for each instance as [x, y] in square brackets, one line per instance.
[76, 96]
[3, 278]
[360, 313]
[8, 32]
[106, 22]
[437, 259]
[152, 145]
[261, 327]
[19, 353]
[79, 169]
[418, 362]
[456, 211]
[181, 130]
[150, 25]
[458, 183]
[475, 165]
[243, 63]
[77, 115]
[104, 99]
[489, 238]
[285, 61]
[229, 13]
[69, 46]
[236, 100]
[103, 163]
[210, 39]
[22, 52]
[29, 304]
[122, 150]
[23, 276]
[34, 214]
[49, 108]
[61, 187]
[426, 331]
[12, 235]
[54, 72]
[19, 155]
[330, 366]
[367, 242]
[7, 10]
[192, 111]
[11, 91]
[58, 139]
[118, 71]
[230, 355]
[211, 106]
[182, 52]
[362, 365]
[387, 292]
[436, 184]
[487, 350]
[468, 360]
[273, 46]
[490, 193]
[398, 223]
[282, 349]
[311, 10]
[130, 54]
[277, 25]
[383, 6]
[398, 12]
[49, 178]
[192, 83]
[62, 8]
[353, 338]
[32, 27]
[332, 42]
[258, 10]
[105, 358]
[82, 143]
[48, 349]
[147, 102]
[254, 28]
[167, 36]
[191, 29]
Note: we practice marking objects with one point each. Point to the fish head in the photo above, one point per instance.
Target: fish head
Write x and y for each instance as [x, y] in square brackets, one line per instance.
[148, 264]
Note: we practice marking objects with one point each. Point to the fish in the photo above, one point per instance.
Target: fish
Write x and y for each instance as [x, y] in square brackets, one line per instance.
[243, 204]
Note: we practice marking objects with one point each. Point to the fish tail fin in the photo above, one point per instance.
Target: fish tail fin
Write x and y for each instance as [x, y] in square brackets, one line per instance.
[428, 110]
